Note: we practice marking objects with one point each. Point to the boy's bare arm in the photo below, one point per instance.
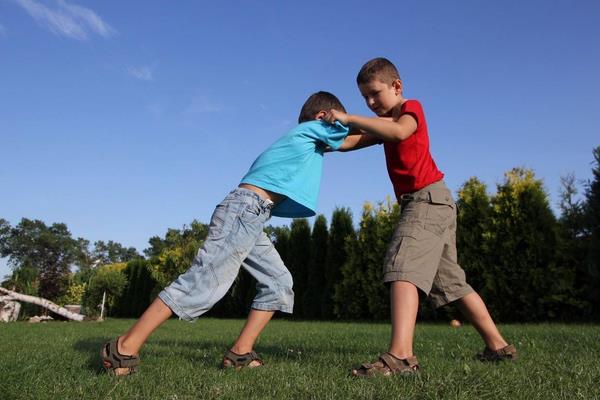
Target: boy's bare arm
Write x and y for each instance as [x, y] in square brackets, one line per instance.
[387, 129]
[359, 141]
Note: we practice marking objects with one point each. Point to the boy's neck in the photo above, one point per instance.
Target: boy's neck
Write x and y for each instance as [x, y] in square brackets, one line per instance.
[398, 107]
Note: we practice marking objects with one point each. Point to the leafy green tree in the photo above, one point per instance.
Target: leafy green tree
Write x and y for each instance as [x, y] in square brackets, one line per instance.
[48, 250]
[523, 236]
[313, 296]
[4, 232]
[341, 230]
[108, 279]
[196, 231]
[74, 293]
[112, 252]
[298, 260]
[173, 255]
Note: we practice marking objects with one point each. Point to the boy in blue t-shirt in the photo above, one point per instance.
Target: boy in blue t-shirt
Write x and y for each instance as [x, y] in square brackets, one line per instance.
[283, 181]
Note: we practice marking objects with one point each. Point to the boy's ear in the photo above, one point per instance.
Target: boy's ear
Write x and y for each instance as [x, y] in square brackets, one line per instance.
[320, 115]
[397, 85]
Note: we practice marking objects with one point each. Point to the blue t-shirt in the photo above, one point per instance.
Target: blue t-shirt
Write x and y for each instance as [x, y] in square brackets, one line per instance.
[292, 166]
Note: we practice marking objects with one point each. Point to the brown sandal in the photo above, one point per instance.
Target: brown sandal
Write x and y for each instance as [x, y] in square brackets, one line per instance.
[239, 361]
[388, 365]
[113, 360]
[507, 353]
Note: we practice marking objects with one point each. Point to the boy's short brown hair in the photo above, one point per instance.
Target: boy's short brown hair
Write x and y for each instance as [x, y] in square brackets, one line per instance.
[320, 101]
[378, 68]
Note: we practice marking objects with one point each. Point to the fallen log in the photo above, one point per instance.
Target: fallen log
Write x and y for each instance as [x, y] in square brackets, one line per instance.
[43, 303]
[9, 309]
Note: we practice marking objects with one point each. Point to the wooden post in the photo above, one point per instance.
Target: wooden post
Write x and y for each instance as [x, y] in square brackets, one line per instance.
[102, 307]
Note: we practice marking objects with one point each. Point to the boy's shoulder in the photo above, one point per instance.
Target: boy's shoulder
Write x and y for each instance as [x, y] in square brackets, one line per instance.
[409, 106]
[312, 124]
[319, 127]
[412, 103]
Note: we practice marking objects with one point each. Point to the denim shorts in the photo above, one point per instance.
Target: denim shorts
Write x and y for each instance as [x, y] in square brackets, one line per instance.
[235, 238]
[423, 248]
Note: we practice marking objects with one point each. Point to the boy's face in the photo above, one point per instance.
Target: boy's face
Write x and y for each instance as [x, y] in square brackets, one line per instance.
[381, 98]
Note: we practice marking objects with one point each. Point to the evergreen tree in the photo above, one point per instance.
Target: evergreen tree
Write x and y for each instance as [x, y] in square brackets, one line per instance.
[137, 294]
[592, 212]
[341, 230]
[473, 219]
[361, 294]
[571, 252]
[377, 238]
[316, 270]
[349, 300]
[280, 236]
[298, 260]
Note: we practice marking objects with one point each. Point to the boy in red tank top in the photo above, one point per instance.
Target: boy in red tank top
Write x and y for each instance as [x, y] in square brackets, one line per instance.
[422, 253]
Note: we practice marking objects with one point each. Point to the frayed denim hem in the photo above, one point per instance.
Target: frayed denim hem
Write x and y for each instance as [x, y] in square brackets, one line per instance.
[174, 307]
[273, 307]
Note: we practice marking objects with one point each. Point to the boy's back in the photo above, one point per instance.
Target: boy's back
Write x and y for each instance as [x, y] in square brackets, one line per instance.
[292, 167]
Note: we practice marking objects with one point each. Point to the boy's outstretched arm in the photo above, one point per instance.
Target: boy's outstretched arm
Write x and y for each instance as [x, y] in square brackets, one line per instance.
[359, 141]
[387, 129]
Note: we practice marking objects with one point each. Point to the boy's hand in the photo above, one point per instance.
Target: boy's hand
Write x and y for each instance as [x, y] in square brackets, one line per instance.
[335, 115]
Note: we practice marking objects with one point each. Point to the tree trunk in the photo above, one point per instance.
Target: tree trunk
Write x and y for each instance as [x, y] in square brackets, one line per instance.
[43, 303]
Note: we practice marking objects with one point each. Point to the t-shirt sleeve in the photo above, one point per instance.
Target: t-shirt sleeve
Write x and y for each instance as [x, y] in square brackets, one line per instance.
[332, 135]
[413, 108]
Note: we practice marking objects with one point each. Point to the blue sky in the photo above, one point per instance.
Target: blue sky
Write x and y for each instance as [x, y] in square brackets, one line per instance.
[122, 119]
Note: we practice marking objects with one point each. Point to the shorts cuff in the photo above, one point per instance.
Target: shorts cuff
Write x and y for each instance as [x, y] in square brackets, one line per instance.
[459, 294]
[177, 310]
[399, 276]
[272, 307]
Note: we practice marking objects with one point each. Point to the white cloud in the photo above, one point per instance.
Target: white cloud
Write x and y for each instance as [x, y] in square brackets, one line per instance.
[70, 20]
[143, 73]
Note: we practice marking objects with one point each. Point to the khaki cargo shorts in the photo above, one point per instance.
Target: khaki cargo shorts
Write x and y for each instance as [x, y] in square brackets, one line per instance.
[423, 248]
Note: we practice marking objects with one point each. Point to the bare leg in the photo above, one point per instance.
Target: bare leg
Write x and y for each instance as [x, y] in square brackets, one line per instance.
[132, 341]
[404, 300]
[257, 320]
[474, 309]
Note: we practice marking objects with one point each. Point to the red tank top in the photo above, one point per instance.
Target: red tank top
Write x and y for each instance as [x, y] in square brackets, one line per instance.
[409, 161]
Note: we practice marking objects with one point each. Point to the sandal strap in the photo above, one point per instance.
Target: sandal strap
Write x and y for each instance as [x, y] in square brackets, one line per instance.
[117, 359]
[396, 364]
[507, 352]
[242, 360]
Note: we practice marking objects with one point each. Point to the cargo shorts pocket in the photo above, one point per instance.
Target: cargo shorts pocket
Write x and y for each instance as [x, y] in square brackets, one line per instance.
[405, 238]
[440, 212]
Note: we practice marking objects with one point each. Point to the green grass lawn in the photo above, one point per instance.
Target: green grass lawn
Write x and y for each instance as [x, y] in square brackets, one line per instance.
[305, 360]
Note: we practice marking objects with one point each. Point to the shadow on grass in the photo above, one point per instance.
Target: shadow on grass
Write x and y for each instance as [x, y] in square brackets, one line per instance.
[279, 353]
[91, 347]
[176, 348]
